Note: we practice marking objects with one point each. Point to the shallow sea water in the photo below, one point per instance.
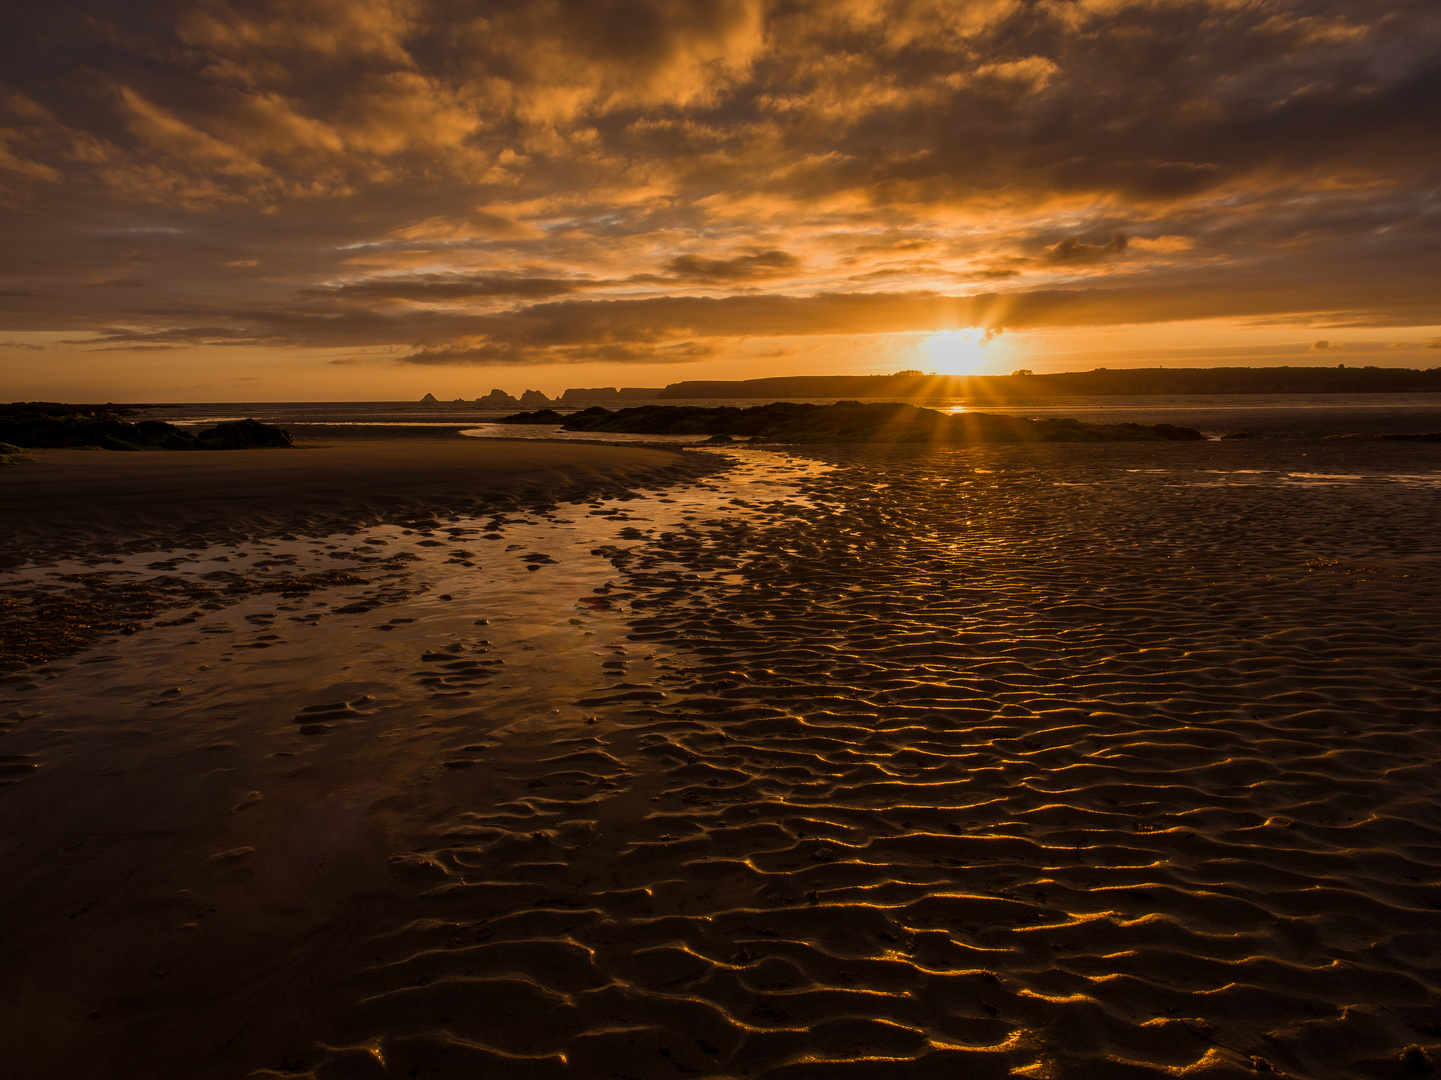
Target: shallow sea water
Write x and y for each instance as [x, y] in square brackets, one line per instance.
[1282, 415]
[1063, 761]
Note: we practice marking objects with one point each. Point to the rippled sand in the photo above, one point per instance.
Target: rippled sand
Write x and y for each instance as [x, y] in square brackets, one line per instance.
[1080, 761]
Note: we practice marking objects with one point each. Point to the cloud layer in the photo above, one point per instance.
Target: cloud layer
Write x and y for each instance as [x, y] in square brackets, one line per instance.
[573, 181]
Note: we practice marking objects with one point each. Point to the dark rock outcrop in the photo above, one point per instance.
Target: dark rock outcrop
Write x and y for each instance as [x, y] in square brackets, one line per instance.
[244, 434]
[47, 425]
[541, 416]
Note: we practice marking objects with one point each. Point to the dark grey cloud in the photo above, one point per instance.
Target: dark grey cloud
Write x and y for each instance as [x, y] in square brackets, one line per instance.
[751, 267]
[1075, 251]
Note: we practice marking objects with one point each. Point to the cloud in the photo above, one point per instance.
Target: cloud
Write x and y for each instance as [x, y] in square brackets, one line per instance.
[477, 225]
[146, 340]
[446, 287]
[562, 181]
[753, 267]
[170, 135]
[1324, 346]
[565, 58]
[1077, 252]
[315, 31]
[1162, 245]
[566, 331]
[609, 352]
[512, 318]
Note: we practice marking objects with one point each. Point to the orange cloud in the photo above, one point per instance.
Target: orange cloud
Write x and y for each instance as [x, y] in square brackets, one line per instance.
[529, 181]
[1074, 251]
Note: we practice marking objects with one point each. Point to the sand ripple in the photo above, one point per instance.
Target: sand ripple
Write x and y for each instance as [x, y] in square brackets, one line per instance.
[941, 770]
[949, 777]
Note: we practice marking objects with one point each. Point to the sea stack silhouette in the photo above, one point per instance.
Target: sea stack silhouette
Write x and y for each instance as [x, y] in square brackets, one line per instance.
[498, 398]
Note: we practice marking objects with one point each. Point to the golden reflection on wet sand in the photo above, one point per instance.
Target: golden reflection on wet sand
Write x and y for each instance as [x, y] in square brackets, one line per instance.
[1111, 761]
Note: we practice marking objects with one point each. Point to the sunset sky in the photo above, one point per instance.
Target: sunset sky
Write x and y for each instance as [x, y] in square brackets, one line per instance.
[352, 199]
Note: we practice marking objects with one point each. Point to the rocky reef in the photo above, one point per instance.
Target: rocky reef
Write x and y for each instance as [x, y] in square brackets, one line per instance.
[52, 424]
[850, 421]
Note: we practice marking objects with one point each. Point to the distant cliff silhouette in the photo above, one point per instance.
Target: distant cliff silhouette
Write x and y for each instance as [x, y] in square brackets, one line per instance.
[1124, 381]
[591, 394]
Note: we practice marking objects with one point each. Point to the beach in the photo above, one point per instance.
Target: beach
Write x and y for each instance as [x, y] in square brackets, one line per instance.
[442, 757]
[337, 478]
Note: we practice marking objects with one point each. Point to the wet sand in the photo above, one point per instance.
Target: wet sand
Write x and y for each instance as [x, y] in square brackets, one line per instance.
[1075, 761]
[71, 497]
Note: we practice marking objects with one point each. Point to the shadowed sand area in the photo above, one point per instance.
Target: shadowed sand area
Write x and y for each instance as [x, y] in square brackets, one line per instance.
[1072, 761]
[77, 495]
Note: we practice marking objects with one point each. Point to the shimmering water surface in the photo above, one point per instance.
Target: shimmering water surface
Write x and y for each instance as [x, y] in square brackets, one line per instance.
[1215, 414]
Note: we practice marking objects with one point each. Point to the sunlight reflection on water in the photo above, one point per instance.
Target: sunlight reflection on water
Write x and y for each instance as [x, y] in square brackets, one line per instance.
[1285, 478]
[550, 621]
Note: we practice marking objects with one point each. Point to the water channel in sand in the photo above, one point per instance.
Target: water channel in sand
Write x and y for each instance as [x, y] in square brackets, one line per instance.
[248, 742]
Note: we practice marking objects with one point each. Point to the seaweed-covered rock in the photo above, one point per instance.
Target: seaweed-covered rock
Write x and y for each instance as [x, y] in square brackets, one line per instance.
[540, 416]
[51, 425]
[1172, 433]
[12, 455]
[244, 434]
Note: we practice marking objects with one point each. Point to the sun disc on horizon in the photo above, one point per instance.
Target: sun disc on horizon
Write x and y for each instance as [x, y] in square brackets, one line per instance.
[956, 352]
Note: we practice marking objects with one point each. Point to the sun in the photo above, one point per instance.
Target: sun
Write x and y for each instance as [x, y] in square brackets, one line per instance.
[956, 352]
